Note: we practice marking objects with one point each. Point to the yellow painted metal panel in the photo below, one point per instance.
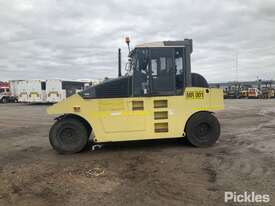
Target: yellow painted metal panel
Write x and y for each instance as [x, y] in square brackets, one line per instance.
[116, 120]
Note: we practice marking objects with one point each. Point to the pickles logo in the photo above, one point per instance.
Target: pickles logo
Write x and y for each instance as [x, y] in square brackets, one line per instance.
[194, 95]
[246, 197]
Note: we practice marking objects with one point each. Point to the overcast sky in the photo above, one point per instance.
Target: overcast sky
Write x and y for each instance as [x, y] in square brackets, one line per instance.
[45, 39]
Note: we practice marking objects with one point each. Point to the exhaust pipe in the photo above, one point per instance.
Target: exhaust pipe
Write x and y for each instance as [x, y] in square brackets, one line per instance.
[119, 62]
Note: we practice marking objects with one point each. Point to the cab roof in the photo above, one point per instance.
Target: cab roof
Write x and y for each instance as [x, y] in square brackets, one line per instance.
[180, 43]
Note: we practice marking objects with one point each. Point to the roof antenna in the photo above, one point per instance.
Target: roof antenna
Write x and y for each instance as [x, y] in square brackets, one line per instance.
[127, 40]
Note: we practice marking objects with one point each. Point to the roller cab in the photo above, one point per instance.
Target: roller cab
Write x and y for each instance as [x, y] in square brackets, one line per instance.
[158, 98]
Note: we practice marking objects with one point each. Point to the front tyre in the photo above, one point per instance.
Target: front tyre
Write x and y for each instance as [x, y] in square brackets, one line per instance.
[4, 100]
[68, 136]
[203, 129]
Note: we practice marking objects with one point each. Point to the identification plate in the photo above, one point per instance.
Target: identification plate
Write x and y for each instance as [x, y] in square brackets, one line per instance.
[194, 94]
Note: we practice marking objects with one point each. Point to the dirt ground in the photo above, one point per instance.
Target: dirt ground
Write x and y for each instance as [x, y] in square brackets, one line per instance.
[137, 173]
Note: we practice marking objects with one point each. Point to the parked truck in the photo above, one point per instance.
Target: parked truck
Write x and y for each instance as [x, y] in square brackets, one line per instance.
[6, 95]
[254, 93]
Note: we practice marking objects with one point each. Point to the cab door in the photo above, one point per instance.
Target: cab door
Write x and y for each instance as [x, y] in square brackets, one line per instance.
[141, 73]
[163, 73]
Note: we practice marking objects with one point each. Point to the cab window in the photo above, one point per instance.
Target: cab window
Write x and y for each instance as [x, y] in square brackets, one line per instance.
[141, 72]
[162, 81]
[179, 61]
[154, 66]
[179, 66]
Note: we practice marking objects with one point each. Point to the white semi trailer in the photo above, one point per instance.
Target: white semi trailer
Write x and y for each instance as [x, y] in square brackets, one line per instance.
[58, 90]
[37, 91]
[48, 91]
[32, 91]
[23, 92]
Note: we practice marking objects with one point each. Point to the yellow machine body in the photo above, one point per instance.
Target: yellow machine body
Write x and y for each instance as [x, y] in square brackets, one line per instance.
[140, 118]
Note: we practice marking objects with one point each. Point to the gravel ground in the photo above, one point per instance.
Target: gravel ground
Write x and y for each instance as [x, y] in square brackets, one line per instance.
[166, 172]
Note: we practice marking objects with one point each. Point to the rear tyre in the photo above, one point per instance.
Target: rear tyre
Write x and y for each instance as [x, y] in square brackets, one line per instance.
[203, 129]
[68, 136]
[199, 81]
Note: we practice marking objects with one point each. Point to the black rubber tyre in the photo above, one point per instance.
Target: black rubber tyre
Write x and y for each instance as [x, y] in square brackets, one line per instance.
[199, 81]
[4, 100]
[68, 136]
[203, 129]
